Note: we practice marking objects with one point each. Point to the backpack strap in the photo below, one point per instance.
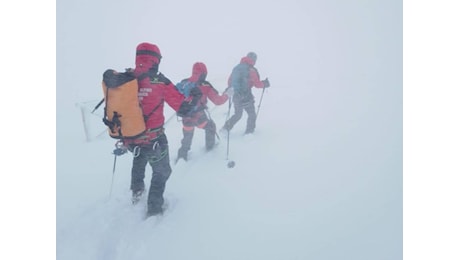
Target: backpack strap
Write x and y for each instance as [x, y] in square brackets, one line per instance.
[254, 68]
[158, 78]
[146, 117]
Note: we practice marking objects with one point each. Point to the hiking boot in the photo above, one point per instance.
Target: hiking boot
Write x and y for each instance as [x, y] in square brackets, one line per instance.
[136, 196]
[182, 154]
[155, 211]
[209, 147]
[249, 131]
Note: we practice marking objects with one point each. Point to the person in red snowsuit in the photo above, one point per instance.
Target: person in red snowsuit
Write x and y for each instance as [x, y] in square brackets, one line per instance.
[199, 118]
[152, 147]
[243, 99]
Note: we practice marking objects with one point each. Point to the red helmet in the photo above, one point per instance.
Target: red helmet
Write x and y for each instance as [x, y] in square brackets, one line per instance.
[147, 55]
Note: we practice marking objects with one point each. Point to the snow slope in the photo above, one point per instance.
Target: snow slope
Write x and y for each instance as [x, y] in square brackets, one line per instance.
[321, 178]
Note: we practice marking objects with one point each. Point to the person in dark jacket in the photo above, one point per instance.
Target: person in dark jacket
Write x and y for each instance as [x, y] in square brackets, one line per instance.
[199, 118]
[152, 147]
[244, 76]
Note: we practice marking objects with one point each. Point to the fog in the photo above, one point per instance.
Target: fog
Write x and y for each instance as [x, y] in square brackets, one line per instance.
[321, 177]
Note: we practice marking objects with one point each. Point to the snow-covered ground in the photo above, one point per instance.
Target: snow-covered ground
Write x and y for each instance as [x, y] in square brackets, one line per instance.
[313, 186]
[321, 178]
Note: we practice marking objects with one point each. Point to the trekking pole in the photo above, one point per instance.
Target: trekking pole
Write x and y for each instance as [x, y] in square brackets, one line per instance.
[228, 142]
[113, 174]
[120, 149]
[228, 130]
[260, 102]
[230, 164]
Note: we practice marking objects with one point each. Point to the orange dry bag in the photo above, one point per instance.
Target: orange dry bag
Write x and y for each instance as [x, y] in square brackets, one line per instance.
[122, 112]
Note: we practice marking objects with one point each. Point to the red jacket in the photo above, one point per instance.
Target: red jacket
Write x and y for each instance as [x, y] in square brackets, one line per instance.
[199, 73]
[153, 93]
[210, 92]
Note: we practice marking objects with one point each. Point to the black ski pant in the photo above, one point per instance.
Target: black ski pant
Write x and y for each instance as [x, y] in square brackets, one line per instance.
[186, 143]
[201, 121]
[250, 110]
[156, 153]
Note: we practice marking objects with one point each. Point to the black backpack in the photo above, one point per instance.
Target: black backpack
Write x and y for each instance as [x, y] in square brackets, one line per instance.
[191, 103]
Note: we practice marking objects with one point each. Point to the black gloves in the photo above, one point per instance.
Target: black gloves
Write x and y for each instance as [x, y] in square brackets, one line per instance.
[266, 83]
[120, 148]
[119, 151]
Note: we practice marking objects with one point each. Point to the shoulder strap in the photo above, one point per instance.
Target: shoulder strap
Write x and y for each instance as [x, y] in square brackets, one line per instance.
[208, 84]
[158, 78]
[257, 72]
[146, 117]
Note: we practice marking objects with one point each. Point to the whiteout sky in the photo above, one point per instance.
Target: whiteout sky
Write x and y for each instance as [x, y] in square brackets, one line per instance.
[320, 179]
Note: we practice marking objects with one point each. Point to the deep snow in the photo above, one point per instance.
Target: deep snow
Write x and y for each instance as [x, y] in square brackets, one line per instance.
[321, 178]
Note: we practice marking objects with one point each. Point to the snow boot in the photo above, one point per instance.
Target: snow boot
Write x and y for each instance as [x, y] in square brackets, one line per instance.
[137, 196]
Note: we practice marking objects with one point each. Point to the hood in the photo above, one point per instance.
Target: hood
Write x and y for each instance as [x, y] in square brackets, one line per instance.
[147, 56]
[199, 72]
[248, 60]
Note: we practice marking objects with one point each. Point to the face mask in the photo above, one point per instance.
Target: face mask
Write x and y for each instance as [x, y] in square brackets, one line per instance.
[153, 70]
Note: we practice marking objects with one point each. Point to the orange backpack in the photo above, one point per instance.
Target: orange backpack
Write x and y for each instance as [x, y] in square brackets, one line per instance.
[122, 113]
